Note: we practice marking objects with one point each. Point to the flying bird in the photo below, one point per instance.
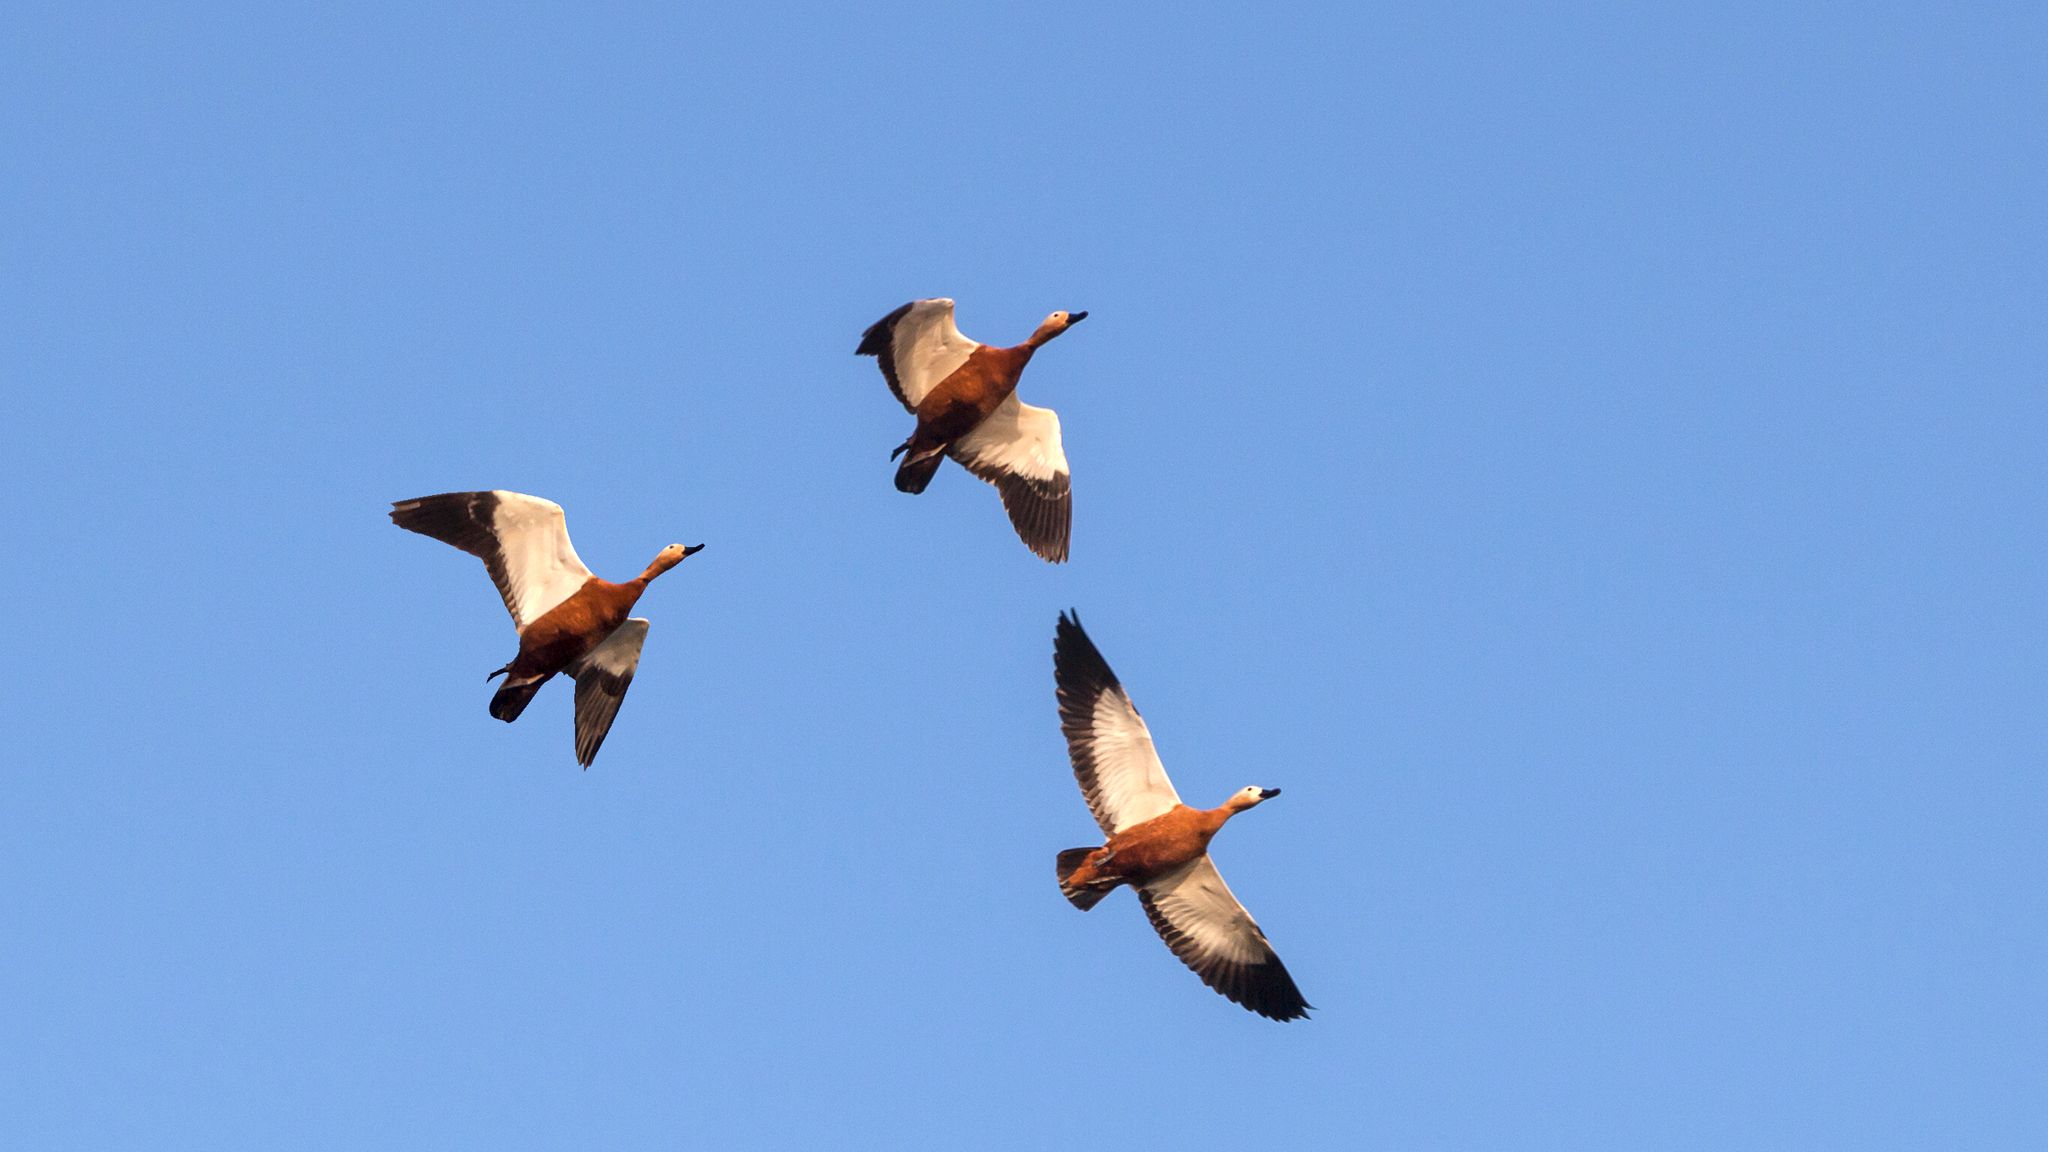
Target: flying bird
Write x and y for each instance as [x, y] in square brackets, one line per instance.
[568, 620]
[1156, 844]
[964, 396]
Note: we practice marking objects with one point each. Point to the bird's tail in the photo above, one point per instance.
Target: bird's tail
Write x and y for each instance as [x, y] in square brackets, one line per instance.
[1082, 898]
[917, 468]
[514, 695]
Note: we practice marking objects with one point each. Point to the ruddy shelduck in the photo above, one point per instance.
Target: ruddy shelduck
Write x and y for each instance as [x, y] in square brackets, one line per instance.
[964, 396]
[1156, 844]
[568, 619]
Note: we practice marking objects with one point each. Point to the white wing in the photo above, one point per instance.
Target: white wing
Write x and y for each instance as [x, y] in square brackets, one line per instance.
[523, 541]
[602, 678]
[1017, 449]
[1193, 910]
[1119, 770]
[917, 346]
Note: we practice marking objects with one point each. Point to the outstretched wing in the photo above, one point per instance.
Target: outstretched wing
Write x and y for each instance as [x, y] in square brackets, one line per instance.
[1017, 449]
[1193, 911]
[1118, 769]
[522, 540]
[917, 347]
[602, 678]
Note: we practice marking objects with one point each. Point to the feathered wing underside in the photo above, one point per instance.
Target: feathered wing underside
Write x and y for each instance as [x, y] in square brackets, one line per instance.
[917, 346]
[602, 678]
[1018, 450]
[522, 540]
[1194, 911]
[1114, 759]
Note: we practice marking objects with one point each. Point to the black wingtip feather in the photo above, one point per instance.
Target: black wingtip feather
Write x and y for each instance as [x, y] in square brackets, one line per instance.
[875, 340]
[879, 341]
[1077, 664]
[458, 518]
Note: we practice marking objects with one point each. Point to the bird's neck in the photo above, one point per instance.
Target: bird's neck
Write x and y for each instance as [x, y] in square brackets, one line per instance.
[1211, 820]
[654, 568]
[622, 597]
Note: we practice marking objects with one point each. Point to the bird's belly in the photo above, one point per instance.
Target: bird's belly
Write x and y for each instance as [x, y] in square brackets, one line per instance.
[567, 632]
[967, 397]
[1153, 849]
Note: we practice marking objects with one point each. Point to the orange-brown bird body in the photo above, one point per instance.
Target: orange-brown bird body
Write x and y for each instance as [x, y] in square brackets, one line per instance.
[572, 629]
[1147, 851]
[964, 399]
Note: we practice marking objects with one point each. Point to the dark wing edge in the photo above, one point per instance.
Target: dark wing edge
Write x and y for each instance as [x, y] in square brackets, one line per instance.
[1265, 988]
[1042, 511]
[465, 520]
[1081, 676]
[879, 341]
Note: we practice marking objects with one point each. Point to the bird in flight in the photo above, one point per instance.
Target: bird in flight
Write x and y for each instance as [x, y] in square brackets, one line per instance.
[1156, 844]
[964, 396]
[568, 619]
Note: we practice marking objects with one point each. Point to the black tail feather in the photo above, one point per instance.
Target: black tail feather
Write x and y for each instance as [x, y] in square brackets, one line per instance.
[513, 698]
[1084, 898]
[916, 471]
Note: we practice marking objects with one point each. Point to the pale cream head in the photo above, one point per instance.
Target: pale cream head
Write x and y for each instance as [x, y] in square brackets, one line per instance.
[671, 556]
[1249, 797]
[1055, 324]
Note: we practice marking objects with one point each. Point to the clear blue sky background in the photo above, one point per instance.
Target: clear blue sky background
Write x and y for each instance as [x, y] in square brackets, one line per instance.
[1592, 460]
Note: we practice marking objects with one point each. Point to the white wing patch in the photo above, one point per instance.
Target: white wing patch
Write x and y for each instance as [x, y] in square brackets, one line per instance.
[927, 348]
[1200, 906]
[1132, 779]
[1017, 439]
[541, 566]
[1017, 449]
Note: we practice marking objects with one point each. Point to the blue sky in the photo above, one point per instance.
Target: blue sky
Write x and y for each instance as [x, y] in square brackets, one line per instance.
[1591, 459]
